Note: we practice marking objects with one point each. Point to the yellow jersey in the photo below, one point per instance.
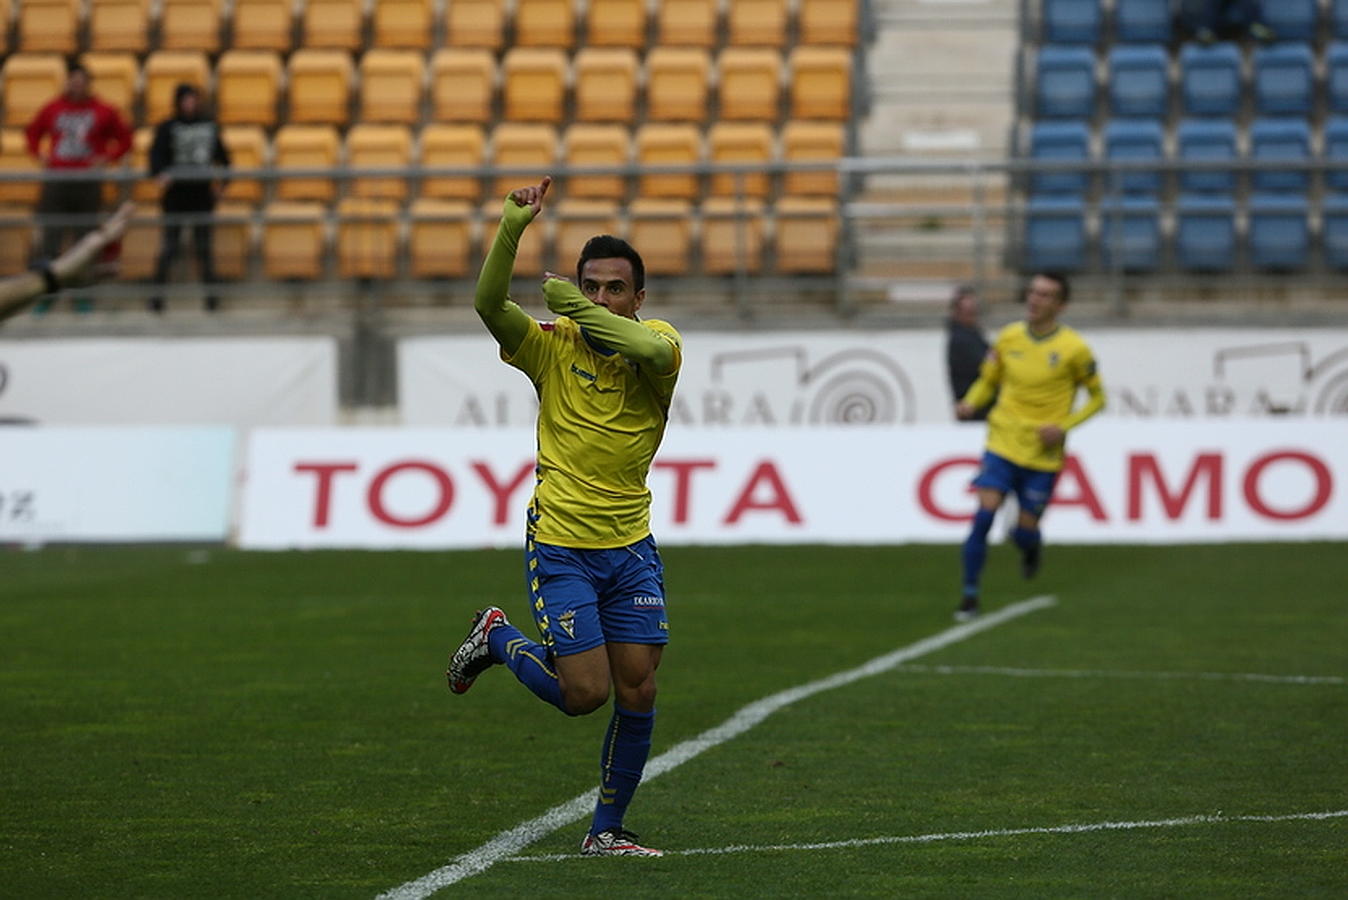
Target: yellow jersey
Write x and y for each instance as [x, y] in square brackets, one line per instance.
[1038, 378]
[600, 420]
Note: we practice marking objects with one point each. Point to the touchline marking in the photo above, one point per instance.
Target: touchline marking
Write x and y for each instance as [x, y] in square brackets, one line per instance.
[1107, 673]
[508, 843]
[972, 835]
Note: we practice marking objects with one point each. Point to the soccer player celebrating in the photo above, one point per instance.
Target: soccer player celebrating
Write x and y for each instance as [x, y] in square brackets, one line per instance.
[1038, 365]
[596, 585]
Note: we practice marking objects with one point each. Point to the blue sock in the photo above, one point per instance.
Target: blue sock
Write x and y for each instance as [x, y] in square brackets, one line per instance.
[528, 660]
[976, 550]
[1026, 539]
[626, 746]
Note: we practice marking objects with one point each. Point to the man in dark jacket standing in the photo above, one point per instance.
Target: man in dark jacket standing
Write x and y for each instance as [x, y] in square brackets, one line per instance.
[188, 140]
[965, 344]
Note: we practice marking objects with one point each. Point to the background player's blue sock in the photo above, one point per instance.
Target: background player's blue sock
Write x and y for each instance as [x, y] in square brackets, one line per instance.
[528, 660]
[626, 746]
[976, 550]
[1027, 539]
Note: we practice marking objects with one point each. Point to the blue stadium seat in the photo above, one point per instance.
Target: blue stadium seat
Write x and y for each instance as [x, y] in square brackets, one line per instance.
[1282, 140]
[1139, 81]
[1130, 232]
[1336, 77]
[1142, 21]
[1072, 21]
[1205, 233]
[1292, 20]
[1210, 79]
[1336, 150]
[1334, 230]
[1338, 16]
[1207, 140]
[1135, 140]
[1065, 83]
[1284, 80]
[1055, 234]
[1280, 235]
[1060, 142]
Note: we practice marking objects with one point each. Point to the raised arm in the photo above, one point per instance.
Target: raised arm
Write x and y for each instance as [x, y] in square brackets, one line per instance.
[76, 266]
[504, 319]
[627, 336]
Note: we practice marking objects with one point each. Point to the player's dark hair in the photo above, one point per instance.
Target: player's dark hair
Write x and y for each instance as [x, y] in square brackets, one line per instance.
[73, 67]
[606, 246]
[1058, 278]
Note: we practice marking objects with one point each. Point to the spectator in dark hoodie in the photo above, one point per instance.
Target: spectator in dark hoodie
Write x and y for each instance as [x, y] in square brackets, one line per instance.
[965, 344]
[189, 140]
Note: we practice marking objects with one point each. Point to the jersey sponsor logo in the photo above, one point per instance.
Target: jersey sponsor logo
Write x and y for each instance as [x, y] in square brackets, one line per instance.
[646, 602]
[588, 376]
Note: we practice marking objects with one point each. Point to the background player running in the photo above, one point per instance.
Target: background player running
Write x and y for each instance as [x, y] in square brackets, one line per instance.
[595, 581]
[1037, 365]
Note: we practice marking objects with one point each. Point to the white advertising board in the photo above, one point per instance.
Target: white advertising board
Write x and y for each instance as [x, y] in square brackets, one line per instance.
[886, 378]
[1126, 482]
[115, 484]
[243, 382]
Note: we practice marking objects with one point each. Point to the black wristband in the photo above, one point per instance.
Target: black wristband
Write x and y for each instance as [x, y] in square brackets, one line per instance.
[44, 269]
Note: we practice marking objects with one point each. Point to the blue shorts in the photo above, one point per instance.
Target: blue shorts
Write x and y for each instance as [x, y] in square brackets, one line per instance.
[1033, 487]
[583, 599]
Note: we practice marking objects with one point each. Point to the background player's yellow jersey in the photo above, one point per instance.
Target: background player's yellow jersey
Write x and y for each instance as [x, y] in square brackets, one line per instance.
[1038, 379]
[600, 421]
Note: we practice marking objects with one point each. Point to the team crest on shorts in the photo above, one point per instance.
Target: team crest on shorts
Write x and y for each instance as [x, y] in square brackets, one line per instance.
[567, 622]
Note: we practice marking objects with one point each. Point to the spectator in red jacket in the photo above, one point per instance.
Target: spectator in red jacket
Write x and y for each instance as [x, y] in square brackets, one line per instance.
[84, 134]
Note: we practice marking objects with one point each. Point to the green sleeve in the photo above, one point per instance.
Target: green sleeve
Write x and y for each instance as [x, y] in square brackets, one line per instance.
[627, 336]
[503, 317]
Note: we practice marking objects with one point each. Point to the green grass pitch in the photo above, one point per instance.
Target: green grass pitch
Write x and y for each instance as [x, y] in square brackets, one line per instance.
[213, 723]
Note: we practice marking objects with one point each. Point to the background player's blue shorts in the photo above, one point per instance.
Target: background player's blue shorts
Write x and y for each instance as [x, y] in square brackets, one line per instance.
[584, 598]
[1032, 487]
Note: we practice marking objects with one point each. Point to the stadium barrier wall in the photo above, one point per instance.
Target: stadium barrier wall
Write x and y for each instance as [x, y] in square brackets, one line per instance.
[783, 379]
[1126, 482]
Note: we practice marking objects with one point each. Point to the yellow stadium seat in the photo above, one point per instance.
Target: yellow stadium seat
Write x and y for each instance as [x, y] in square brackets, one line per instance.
[535, 84]
[756, 23]
[828, 22]
[812, 142]
[370, 146]
[742, 143]
[401, 24]
[248, 83]
[576, 222]
[821, 83]
[247, 146]
[333, 24]
[732, 236]
[615, 23]
[144, 191]
[668, 145]
[390, 86]
[452, 146]
[14, 157]
[528, 146]
[606, 84]
[6, 14]
[48, 26]
[164, 71]
[463, 84]
[119, 25]
[232, 242]
[294, 237]
[545, 23]
[475, 23]
[190, 25]
[596, 145]
[529, 258]
[676, 84]
[16, 240]
[806, 235]
[140, 244]
[662, 232]
[31, 80]
[114, 78]
[750, 84]
[367, 238]
[439, 240]
[263, 24]
[306, 147]
[320, 86]
[687, 23]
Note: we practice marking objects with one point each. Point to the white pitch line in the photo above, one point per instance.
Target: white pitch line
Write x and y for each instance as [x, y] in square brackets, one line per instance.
[508, 843]
[1123, 673]
[971, 835]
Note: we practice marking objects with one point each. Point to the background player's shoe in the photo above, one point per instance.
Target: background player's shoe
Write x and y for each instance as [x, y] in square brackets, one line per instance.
[1029, 561]
[474, 655]
[615, 842]
[968, 609]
